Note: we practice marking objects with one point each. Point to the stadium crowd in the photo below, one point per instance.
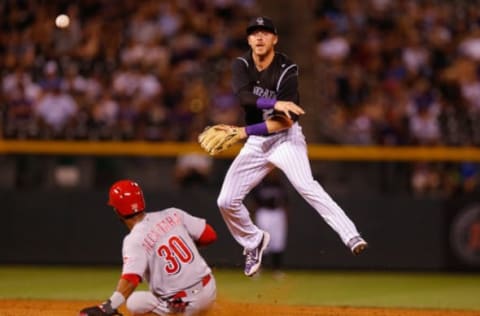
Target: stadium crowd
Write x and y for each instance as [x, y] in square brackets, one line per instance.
[154, 70]
[395, 72]
[403, 73]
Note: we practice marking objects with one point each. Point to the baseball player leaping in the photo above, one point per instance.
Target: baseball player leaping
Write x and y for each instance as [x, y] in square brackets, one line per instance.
[266, 83]
[161, 250]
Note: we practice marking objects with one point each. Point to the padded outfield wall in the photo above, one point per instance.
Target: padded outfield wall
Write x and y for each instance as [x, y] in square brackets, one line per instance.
[77, 227]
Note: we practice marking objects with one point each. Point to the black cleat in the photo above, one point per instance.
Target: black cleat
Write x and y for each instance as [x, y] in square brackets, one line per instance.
[357, 245]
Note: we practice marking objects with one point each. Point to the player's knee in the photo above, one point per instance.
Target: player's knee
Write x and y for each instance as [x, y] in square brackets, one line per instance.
[225, 203]
[133, 303]
[138, 303]
[222, 202]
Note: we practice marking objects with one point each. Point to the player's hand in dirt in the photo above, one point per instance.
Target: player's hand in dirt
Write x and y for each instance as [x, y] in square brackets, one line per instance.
[101, 310]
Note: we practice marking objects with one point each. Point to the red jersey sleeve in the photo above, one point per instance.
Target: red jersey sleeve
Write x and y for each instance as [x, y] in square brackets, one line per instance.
[208, 236]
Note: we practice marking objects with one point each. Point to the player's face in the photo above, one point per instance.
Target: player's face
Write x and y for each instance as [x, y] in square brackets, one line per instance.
[262, 42]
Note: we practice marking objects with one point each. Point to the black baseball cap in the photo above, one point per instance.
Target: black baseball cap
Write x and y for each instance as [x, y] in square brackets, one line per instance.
[261, 22]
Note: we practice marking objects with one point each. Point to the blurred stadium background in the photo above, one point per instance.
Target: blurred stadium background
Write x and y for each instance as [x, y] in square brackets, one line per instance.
[392, 95]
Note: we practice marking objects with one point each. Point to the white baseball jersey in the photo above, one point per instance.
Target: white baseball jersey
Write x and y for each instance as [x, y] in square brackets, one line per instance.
[162, 250]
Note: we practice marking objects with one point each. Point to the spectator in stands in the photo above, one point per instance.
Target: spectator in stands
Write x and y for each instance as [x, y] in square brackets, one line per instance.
[126, 118]
[223, 107]
[104, 116]
[20, 116]
[56, 112]
[423, 115]
[153, 121]
[20, 78]
[469, 177]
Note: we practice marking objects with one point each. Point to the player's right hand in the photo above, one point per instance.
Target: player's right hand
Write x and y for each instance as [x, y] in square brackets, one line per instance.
[288, 107]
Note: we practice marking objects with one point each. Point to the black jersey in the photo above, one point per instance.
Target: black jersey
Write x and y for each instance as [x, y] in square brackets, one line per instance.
[278, 81]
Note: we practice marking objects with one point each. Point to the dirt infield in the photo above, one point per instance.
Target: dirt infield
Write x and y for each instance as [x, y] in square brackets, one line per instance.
[224, 308]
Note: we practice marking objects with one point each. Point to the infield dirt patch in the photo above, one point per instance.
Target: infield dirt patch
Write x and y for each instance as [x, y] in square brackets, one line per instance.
[224, 308]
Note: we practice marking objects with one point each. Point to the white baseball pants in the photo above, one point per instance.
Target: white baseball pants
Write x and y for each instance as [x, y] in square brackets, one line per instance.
[288, 151]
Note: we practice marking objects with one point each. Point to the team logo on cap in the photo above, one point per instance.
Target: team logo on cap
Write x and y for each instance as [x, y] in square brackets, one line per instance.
[260, 21]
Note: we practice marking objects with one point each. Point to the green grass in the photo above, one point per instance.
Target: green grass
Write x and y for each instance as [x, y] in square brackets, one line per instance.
[379, 289]
[326, 288]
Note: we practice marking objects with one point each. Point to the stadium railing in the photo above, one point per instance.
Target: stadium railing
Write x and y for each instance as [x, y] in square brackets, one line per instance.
[173, 149]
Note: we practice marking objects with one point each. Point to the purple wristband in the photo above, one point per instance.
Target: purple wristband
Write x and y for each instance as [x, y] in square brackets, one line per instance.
[265, 103]
[257, 129]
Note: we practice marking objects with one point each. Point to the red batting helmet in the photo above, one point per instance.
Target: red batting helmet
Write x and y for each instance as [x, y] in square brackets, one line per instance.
[126, 197]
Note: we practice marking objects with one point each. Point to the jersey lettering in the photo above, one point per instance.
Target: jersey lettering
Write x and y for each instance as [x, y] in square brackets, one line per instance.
[159, 230]
[175, 253]
[263, 92]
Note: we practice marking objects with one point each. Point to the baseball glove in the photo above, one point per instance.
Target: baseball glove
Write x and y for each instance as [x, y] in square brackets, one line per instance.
[101, 310]
[217, 138]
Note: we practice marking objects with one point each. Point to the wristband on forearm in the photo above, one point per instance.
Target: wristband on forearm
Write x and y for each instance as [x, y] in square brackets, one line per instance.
[116, 299]
[259, 129]
[265, 103]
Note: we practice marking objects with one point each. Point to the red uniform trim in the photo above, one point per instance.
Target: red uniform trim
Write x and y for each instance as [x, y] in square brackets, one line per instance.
[132, 278]
[208, 236]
